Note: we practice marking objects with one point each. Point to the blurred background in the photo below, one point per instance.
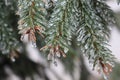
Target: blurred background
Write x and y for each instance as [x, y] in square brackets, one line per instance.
[27, 63]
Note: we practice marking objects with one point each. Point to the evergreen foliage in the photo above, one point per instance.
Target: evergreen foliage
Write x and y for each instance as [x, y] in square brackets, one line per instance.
[58, 34]
[32, 18]
[8, 40]
[58, 22]
[93, 31]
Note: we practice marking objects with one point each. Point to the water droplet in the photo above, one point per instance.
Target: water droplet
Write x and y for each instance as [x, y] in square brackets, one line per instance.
[66, 50]
[86, 46]
[69, 43]
[55, 63]
[58, 54]
[78, 39]
[12, 59]
[5, 25]
[34, 44]
[5, 51]
[78, 44]
[105, 77]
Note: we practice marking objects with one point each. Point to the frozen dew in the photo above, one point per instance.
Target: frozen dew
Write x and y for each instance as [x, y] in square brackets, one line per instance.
[3, 35]
[41, 4]
[25, 25]
[10, 43]
[69, 43]
[12, 59]
[5, 51]
[70, 36]
[99, 25]
[7, 2]
[37, 5]
[20, 7]
[105, 77]
[5, 25]
[50, 24]
[57, 11]
[78, 44]
[66, 50]
[55, 63]
[91, 22]
[97, 18]
[91, 61]
[2, 45]
[78, 39]
[51, 32]
[58, 54]
[63, 3]
[22, 37]
[20, 27]
[34, 44]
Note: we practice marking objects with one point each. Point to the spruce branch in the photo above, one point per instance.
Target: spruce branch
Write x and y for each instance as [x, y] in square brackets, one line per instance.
[8, 40]
[93, 32]
[88, 20]
[32, 18]
[59, 30]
